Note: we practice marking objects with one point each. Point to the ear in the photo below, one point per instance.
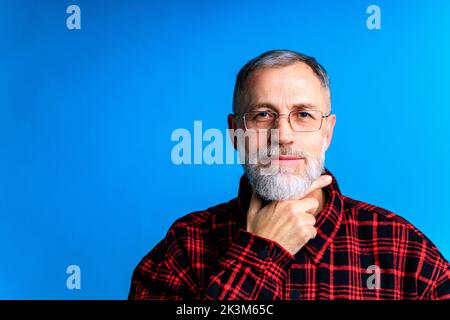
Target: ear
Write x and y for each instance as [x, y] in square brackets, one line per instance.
[232, 126]
[329, 130]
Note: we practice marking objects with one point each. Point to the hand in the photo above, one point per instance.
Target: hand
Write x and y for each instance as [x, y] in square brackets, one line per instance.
[288, 222]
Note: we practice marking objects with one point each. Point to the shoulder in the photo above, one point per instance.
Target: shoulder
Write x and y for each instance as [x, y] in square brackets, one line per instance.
[225, 212]
[208, 226]
[393, 229]
[366, 212]
[370, 214]
[193, 231]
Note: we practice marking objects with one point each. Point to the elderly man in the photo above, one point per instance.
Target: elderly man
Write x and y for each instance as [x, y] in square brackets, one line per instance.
[290, 233]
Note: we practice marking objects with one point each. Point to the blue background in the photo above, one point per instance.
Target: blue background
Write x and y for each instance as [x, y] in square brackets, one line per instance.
[86, 117]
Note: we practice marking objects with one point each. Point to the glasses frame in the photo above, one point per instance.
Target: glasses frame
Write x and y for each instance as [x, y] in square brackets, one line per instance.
[278, 116]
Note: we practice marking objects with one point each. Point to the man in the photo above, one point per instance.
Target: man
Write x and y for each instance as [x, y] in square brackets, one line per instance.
[290, 233]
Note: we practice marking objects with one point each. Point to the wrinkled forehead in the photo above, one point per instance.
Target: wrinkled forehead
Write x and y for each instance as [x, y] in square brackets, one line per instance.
[284, 87]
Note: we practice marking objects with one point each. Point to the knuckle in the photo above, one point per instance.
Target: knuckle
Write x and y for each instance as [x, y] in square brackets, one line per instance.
[291, 215]
[290, 207]
[291, 211]
[303, 233]
[314, 202]
[300, 224]
[308, 219]
[310, 202]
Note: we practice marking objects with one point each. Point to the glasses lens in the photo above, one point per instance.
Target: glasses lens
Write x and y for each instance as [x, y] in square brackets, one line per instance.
[259, 120]
[306, 120]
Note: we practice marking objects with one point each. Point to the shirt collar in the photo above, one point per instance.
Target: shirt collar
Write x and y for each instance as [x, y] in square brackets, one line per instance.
[328, 220]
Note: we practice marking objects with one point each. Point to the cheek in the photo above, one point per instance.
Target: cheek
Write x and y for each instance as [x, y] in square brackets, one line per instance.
[257, 142]
[254, 143]
[262, 142]
[311, 143]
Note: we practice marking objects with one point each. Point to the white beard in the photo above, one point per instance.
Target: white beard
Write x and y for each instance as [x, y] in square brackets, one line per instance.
[283, 185]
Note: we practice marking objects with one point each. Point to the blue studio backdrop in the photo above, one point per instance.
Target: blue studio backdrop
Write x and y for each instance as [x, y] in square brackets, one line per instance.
[86, 118]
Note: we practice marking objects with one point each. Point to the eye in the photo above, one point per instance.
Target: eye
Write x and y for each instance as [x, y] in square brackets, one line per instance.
[304, 114]
[263, 115]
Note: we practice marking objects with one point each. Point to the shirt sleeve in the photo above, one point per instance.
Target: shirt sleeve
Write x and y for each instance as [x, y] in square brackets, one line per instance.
[252, 268]
[441, 290]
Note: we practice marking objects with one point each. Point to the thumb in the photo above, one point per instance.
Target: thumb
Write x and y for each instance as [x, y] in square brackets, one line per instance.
[255, 205]
[319, 183]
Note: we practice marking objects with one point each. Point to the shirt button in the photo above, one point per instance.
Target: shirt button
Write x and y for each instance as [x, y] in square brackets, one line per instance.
[295, 295]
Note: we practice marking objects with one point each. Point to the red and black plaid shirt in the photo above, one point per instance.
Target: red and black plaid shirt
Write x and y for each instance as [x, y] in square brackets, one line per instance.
[210, 255]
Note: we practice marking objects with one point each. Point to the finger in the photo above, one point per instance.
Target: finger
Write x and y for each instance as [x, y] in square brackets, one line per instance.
[319, 183]
[308, 205]
[309, 219]
[313, 232]
[255, 205]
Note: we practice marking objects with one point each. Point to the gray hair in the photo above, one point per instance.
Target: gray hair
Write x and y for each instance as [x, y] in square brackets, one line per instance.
[274, 59]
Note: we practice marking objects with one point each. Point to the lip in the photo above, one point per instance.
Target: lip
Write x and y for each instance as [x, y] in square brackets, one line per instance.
[287, 158]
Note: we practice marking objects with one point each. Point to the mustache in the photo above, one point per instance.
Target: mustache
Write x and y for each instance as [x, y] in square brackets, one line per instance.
[286, 151]
[264, 156]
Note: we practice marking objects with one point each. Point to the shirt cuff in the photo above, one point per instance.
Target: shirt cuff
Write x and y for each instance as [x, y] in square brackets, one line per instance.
[261, 253]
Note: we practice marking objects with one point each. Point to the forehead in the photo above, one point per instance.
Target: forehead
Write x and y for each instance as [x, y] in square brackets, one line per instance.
[286, 86]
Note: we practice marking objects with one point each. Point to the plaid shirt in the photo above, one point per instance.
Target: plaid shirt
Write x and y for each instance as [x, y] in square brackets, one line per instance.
[360, 252]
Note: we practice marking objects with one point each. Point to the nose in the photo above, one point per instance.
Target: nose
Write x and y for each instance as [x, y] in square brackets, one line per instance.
[285, 133]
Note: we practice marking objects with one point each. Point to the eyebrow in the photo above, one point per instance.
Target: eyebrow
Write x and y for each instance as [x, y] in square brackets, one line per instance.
[298, 106]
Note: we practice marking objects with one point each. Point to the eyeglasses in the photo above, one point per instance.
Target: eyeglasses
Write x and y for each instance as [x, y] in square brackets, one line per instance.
[300, 121]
